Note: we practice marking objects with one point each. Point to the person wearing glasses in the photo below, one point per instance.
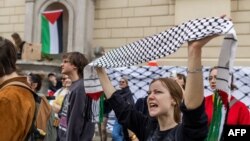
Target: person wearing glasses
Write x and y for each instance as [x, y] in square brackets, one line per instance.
[76, 112]
[59, 97]
[238, 113]
[120, 133]
[60, 94]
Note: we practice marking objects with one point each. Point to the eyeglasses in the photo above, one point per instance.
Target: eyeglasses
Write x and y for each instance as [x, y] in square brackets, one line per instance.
[65, 61]
[121, 82]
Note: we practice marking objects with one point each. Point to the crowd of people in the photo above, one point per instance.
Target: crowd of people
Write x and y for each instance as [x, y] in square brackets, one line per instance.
[174, 109]
[65, 118]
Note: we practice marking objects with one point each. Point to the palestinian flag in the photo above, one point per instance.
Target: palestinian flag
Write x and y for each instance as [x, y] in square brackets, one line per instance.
[52, 32]
[219, 118]
[94, 91]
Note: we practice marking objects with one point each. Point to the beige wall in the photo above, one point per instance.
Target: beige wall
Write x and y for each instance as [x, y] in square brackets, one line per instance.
[12, 17]
[240, 12]
[118, 22]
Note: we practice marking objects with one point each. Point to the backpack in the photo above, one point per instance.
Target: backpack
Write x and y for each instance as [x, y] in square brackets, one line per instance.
[42, 128]
[45, 121]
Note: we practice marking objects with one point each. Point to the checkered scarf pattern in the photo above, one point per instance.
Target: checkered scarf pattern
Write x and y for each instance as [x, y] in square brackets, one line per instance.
[168, 42]
[163, 44]
[223, 84]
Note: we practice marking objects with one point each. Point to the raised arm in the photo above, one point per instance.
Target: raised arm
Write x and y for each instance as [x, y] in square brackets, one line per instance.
[107, 86]
[193, 95]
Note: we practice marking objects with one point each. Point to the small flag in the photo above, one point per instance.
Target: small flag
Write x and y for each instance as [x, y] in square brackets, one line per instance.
[94, 90]
[52, 27]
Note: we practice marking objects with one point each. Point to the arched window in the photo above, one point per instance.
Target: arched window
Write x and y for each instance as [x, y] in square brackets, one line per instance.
[65, 24]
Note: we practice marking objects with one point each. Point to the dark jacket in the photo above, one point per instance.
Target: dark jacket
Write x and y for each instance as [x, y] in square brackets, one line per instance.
[193, 127]
[141, 105]
[55, 88]
[76, 110]
[127, 96]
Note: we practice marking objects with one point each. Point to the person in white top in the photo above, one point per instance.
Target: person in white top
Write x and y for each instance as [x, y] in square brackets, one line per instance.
[60, 94]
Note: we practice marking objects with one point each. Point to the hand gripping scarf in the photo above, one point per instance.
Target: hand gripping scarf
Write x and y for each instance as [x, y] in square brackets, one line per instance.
[166, 43]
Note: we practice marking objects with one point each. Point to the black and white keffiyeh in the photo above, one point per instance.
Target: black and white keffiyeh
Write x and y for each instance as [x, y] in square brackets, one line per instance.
[139, 78]
[168, 42]
[164, 43]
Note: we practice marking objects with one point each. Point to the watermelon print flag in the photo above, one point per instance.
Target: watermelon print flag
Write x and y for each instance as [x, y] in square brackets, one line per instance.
[52, 27]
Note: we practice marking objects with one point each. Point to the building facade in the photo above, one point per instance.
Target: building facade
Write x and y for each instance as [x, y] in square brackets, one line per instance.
[113, 23]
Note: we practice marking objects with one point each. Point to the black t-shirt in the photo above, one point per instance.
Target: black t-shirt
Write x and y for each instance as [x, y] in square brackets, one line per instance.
[193, 127]
[167, 135]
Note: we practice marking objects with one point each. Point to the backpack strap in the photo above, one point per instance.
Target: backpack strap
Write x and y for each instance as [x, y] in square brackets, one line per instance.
[37, 99]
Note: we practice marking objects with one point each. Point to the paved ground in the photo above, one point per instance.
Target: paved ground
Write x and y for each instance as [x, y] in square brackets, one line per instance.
[97, 137]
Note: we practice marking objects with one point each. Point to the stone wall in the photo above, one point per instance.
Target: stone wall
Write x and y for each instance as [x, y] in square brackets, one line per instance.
[12, 13]
[118, 22]
[240, 13]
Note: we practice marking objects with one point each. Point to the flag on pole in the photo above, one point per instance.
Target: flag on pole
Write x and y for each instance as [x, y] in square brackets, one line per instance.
[52, 27]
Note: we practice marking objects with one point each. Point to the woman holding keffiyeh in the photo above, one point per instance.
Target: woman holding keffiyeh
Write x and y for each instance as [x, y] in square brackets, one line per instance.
[166, 102]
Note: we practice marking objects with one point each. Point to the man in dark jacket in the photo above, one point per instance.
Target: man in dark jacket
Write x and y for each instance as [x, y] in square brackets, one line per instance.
[75, 115]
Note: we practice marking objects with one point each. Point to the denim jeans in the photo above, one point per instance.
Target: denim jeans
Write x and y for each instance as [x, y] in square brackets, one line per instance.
[117, 134]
